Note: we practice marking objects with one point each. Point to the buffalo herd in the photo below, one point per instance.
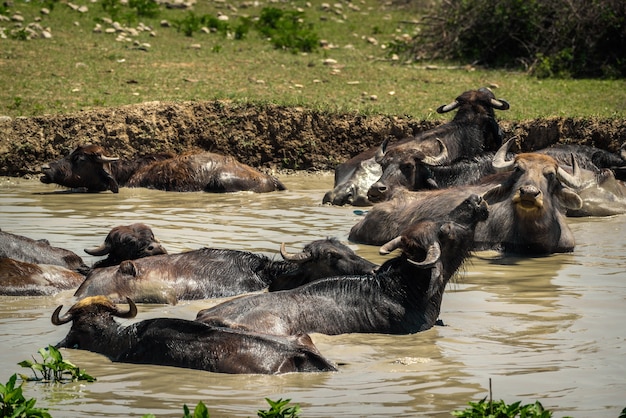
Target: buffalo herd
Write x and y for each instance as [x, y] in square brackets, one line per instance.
[433, 200]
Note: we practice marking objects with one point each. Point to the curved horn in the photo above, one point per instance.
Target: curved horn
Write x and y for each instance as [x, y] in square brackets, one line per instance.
[103, 249]
[63, 320]
[105, 159]
[432, 256]
[437, 159]
[390, 246]
[132, 310]
[296, 258]
[499, 104]
[572, 180]
[499, 160]
[448, 107]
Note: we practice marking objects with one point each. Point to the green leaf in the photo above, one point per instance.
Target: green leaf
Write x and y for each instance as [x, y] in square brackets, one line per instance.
[201, 411]
[26, 363]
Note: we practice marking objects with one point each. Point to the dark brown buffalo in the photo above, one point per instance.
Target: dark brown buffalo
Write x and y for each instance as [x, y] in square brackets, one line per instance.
[211, 273]
[473, 131]
[403, 296]
[127, 242]
[183, 343]
[19, 278]
[527, 201]
[40, 251]
[89, 167]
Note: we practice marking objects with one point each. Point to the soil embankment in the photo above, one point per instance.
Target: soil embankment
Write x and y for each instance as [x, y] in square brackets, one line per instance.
[270, 137]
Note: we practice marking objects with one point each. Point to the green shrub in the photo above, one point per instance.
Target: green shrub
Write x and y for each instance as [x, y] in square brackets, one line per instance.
[286, 30]
[280, 409]
[555, 38]
[500, 409]
[13, 403]
[54, 368]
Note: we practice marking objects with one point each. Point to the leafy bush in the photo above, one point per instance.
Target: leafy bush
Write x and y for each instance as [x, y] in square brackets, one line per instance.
[194, 23]
[286, 30]
[280, 409]
[549, 38]
[501, 409]
[54, 368]
[13, 403]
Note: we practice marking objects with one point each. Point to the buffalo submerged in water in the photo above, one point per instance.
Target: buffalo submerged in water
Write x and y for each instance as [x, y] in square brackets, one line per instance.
[403, 296]
[89, 167]
[211, 273]
[183, 343]
[527, 198]
[473, 131]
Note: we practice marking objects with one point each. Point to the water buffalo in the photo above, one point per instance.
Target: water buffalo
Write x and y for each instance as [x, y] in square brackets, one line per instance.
[26, 249]
[403, 296]
[602, 187]
[473, 131]
[602, 194]
[183, 343]
[19, 278]
[89, 167]
[211, 273]
[527, 199]
[127, 242]
[405, 171]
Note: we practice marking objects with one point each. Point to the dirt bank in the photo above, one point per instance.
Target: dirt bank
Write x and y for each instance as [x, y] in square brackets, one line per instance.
[266, 136]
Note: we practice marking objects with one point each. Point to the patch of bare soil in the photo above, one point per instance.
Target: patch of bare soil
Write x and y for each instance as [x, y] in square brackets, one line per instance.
[269, 137]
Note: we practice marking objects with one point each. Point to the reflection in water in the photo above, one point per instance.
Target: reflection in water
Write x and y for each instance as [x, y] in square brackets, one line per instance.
[546, 328]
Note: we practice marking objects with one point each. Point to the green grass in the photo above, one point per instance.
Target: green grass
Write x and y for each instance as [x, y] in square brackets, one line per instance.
[78, 69]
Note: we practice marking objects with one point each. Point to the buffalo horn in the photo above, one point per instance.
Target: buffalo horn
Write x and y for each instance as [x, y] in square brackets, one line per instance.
[105, 159]
[390, 246]
[60, 321]
[499, 160]
[432, 256]
[131, 313]
[448, 107]
[103, 249]
[571, 180]
[500, 104]
[437, 159]
[296, 258]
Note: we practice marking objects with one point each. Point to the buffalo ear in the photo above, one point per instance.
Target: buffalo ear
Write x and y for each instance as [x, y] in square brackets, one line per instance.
[569, 199]
[495, 194]
[128, 268]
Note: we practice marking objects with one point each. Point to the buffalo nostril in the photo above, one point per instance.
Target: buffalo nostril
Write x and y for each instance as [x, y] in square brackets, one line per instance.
[531, 191]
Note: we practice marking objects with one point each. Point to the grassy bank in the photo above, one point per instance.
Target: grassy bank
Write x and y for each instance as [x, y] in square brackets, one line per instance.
[78, 68]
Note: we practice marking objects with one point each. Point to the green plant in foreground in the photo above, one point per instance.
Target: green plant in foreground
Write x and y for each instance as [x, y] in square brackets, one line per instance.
[279, 409]
[54, 368]
[13, 403]
[500, 409]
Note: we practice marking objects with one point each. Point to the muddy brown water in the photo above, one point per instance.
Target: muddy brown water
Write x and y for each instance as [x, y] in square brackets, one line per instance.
[549, 328]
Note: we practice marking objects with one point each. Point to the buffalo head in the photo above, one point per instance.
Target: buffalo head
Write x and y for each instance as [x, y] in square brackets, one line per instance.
[127, 242]
[319, 259]
[90, 316]
[534, 180]
[87, 167]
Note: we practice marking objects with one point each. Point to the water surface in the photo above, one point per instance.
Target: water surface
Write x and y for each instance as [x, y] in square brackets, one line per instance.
[549, 328]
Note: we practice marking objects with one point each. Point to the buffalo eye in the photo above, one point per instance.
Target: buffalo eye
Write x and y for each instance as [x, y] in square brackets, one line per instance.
[406, 167]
